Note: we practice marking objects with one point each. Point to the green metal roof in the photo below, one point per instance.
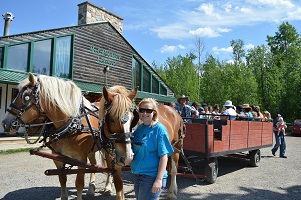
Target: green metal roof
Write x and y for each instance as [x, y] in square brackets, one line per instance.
[158, 97]
[14, 77]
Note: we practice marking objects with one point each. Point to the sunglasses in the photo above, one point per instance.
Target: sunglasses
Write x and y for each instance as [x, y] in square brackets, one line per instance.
[142, 110]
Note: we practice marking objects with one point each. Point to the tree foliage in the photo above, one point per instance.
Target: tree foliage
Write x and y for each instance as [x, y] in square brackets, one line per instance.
[266, 75]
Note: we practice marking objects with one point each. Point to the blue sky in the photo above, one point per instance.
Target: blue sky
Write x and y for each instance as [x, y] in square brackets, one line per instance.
[159, 29]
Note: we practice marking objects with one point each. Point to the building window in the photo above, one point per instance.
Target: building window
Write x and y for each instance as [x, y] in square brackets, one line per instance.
[136, 74]
[1, 57]
[163, 90]
[14, 93]
[17, 57]
[63, 57]
[146, 80]
[155, 85]
[42, 57]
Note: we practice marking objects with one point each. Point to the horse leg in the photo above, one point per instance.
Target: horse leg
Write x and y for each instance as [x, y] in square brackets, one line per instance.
[63, 181]
[79, 184]
[173, 189]
[91, 189]
[117, 177]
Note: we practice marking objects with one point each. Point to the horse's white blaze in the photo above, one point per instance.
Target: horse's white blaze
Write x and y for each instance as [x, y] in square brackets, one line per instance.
[129, 152]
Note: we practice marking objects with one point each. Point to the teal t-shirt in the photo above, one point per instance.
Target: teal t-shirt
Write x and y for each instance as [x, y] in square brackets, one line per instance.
[148, 145]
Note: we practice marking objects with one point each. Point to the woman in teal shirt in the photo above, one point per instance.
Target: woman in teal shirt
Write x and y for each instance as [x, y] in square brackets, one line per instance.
[151, 148]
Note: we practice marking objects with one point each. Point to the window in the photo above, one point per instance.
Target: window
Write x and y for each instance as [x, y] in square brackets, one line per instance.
[14, 93]
[42, 57]
[17, 57]
[155, 85]
[136, 74]
[63, 57]
[1, 56]
[163, 90]
[146, 80]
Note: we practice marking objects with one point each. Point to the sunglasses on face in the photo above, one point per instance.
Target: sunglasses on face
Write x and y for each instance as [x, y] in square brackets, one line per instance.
[142, 110]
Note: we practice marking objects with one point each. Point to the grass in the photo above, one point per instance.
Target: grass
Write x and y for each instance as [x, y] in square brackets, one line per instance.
[12, 151]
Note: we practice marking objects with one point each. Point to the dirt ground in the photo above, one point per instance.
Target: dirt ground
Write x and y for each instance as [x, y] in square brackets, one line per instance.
[22, 177]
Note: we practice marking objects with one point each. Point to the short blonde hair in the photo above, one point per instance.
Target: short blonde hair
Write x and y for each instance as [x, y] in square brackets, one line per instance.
[155, 108]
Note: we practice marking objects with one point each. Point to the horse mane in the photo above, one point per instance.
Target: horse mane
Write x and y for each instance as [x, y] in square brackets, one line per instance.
[59, 94]
[120, 104]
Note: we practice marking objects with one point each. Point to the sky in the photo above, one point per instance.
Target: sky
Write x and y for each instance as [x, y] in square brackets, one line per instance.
[162, 29]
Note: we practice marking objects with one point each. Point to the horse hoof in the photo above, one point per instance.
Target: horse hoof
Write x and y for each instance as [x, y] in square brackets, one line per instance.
[107, 193]
[91, 190]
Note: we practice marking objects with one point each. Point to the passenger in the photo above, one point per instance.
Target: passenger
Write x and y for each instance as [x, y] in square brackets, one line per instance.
[229, 111]
[195, 106]
[172, 104]
[216, 111]
[254, 111]
[266, 116]
[201, 112]
[247, 111]
[240, 112]
[185, 110]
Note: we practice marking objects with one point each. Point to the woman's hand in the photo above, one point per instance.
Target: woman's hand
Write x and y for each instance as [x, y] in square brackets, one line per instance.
[157, 186]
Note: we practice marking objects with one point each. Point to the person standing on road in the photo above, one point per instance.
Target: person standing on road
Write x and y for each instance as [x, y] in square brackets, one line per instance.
[151, 149]
[279, 139]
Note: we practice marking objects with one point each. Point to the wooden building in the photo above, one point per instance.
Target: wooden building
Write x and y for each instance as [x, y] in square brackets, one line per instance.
[92, 54]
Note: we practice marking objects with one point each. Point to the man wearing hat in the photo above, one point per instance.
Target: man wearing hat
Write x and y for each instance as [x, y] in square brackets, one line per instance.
[229, 111]
[247, 111]
[185, 110]
[280, 139]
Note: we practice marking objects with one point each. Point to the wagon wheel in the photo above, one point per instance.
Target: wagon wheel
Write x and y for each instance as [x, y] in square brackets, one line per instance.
[211, 170]
[255, 158]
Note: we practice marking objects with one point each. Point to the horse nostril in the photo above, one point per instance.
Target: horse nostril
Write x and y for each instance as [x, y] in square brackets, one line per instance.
[122, 159]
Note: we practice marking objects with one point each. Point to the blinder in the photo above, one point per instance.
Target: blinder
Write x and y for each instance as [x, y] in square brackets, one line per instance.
[135, 119]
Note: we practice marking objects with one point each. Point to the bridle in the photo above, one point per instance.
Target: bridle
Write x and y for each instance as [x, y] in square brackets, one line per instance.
[29, 93]
[118, 137]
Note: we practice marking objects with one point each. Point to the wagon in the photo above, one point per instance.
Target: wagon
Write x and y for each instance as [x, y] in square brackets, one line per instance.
[207, 139]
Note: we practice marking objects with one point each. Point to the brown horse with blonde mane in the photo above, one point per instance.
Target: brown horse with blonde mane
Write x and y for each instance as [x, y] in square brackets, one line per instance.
[74, 126]
[170, 118]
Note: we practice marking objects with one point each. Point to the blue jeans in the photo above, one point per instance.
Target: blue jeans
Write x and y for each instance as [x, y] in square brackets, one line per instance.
[280, 142]
[143, 187]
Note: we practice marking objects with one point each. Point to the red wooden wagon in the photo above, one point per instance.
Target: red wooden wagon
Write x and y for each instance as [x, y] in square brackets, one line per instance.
[209, 139]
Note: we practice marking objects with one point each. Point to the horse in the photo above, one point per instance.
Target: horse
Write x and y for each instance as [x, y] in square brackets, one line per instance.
[170, 118]
[73, 122]
[174, 123]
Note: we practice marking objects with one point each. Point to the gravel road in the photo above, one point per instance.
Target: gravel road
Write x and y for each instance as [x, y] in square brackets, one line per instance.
[22, 178]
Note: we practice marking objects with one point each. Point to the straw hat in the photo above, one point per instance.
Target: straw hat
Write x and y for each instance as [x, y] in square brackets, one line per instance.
[182, 97]
[246, 106]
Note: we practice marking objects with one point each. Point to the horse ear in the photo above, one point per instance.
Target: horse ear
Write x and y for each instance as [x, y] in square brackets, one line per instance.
[31, 78]
[133, 94]
[107, 95]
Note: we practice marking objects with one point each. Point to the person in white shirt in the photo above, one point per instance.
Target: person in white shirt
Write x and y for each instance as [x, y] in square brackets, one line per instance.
[229, 111]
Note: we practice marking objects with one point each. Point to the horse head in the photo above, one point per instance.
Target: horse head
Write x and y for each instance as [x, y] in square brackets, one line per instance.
[119, 116]
[25, 108]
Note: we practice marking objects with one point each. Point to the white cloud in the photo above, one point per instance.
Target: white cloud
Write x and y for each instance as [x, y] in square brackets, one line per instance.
[249, 46]
[208, 9]
[272, 3]
[170, 48]
[227, 7]
[209, 32]
[217, 50]
[172, 31]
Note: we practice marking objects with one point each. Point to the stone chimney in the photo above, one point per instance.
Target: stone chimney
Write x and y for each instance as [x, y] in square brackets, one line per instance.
[8, 17]
[89, 13]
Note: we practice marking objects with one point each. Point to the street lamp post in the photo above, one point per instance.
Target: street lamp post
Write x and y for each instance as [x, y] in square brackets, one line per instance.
[105, 71]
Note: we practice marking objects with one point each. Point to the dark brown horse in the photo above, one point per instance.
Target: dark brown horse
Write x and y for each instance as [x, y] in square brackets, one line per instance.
[73, 118]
